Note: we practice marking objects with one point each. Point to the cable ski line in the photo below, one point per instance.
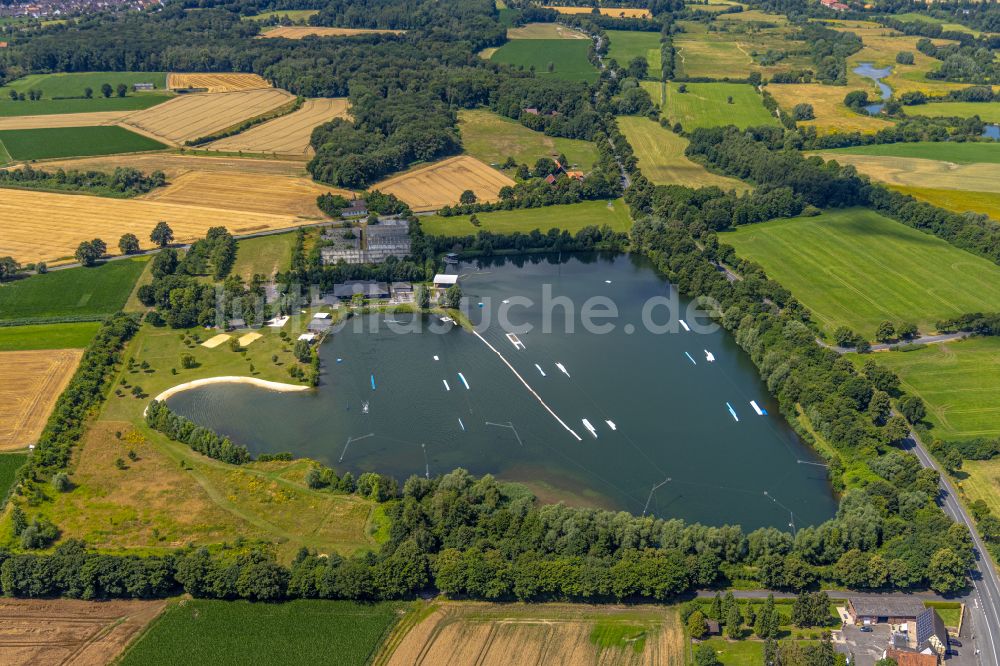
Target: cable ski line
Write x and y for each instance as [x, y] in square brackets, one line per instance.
[528, 386]
[354, 439]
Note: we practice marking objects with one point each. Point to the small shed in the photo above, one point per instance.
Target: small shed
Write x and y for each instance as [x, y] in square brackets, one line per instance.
[308, 337]
[321, 315]
[442, 280]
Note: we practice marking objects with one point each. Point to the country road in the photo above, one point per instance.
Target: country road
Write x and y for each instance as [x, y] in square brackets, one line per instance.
[884, 346]
[983, 602]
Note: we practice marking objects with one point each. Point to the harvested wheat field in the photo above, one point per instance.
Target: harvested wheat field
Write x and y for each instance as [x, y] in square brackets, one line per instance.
[174, 165]
[70, 632]
[215, 340]
[287, 135]
[300, 31]
[254, 193]
[467, 634]
[616, 12]
[442, 183]
[193, 116]
[43, 226]
[216, 83]
[62, 120]
[916, 172]
[33, 381]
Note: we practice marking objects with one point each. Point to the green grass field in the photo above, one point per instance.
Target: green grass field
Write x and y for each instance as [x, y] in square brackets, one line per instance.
[707, 105]
[9, 464]
[75, 335]
[293, 15]
[737, 653]
[74, 292]
[37, 144]
[655, 90]
[567, 56]
[73, 84]
[948, 151]
[662, 160]
[44, 107]
[236, 632]
[987, 111]
[856, 268]
[959, 382]
[571, 217]
[493, 138]
[265, 255]
[627, 44]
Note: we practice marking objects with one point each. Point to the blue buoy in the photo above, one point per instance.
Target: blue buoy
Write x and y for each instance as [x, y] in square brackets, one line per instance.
[373, 382]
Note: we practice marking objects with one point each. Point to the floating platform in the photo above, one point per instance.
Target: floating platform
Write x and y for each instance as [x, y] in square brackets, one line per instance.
[691, 358]
[516, 341]
[446, 387]
[540, 369]
[461, 424]
[562, 368]
[709, 356]
[588, 426]
[684, 325]
[733, 412]
[757, 408]
[436, 358]
[462, 377]
[611, 424]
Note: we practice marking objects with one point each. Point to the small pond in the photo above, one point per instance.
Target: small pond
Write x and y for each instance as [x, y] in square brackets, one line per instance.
[876, 74]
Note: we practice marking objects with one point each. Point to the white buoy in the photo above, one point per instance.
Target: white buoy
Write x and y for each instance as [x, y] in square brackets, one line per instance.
[588, 426]
[446, 387]
[684, 324]
[540, 369]
[611, 424]
[607, 281]
[436, 358]
[562, 368]
[709, 356]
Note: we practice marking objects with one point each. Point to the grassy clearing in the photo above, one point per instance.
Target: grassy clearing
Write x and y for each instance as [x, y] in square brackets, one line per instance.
[856, 268]
[238, 632]
[656, 90]
[949, 151]
[980, 480]
[662, 160]
[74, 292]
[544, 31]
[570, 217]
[47, 336]
[492, 139]
[50, 142]
[737, 653]
[73, 84]
[950, 611]
[913, 172]
[958, 201]
[9, 464]
[265, 255]
[987, 111]
[828, 106]
[707, 105]
[628, 44]
[568, 57]
[959, 382]
[293, 15]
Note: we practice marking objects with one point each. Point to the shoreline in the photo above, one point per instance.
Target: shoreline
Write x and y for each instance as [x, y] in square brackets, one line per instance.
[280, 387]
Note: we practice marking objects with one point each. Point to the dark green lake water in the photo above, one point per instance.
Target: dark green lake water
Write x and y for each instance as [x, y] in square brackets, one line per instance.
[671, 413]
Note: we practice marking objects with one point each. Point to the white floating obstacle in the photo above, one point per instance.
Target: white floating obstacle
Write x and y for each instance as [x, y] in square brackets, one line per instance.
[691, 358]
[684, 324]
[709, 356]
[588, 426]
[516, 341]
[436, 358]
[540, 369]
[562, 368]
[733, 412]
[461, 424]
[611, 424]
[757, 408]
[446, 387]
[462, 377]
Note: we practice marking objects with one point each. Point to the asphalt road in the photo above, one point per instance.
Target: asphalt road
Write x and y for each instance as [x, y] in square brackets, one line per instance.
[983, 602]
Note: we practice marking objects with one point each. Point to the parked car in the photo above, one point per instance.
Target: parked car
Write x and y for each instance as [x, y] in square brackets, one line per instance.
[866, 629]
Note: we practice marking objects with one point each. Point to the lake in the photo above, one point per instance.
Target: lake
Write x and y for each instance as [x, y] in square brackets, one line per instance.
[876, 74]
[669, 405]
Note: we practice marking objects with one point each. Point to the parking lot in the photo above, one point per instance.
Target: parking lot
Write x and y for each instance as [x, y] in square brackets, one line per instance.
[868, 647]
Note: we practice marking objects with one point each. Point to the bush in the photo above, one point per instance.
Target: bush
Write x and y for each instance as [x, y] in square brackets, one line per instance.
[61, 482]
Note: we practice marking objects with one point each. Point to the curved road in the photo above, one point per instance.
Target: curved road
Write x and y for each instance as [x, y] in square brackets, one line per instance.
[983, 601]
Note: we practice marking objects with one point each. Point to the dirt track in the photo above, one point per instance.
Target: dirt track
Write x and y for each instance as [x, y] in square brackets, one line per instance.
[33, 381]
[69, 632]
[442, 183]
[287, 135]
[62, 120]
